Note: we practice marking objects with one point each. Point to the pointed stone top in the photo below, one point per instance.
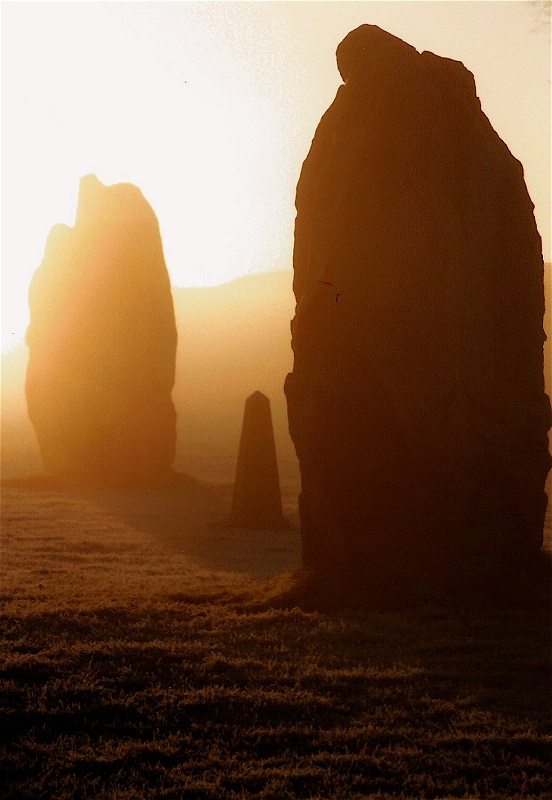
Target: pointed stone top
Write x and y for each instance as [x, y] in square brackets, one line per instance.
[257, 397]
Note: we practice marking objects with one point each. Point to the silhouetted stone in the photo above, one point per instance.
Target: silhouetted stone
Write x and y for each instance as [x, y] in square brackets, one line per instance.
[102, 343]
[416, 402]
[256, 502]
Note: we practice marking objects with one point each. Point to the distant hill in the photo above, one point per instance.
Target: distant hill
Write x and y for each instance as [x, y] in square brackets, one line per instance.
[233, 339]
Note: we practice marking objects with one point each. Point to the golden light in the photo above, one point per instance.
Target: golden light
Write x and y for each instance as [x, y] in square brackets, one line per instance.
[204, 151]
[210, 109]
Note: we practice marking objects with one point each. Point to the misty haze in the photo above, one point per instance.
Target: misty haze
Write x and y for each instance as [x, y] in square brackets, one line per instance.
[276, 421]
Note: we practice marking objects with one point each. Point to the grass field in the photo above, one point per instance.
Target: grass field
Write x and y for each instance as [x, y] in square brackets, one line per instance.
[142, 657]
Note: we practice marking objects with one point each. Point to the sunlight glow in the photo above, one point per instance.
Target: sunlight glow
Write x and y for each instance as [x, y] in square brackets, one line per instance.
[210, 109]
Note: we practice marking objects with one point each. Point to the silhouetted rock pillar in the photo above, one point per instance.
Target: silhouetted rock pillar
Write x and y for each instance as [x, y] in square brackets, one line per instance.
[256, 502]
[102, 344]
[416, 402]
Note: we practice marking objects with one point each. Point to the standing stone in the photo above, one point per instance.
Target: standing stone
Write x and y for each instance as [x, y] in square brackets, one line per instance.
[102, 344]
[416, 402]
[256, 502]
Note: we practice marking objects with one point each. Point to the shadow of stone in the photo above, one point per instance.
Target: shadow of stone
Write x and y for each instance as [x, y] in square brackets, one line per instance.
[491, 643]
[189, 517]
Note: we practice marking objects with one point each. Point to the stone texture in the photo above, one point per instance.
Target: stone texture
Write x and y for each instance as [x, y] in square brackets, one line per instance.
[102, 343]
[416, 402]
[256, 501]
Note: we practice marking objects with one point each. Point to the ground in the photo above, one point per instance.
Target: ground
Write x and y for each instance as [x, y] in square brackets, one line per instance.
[145, 654]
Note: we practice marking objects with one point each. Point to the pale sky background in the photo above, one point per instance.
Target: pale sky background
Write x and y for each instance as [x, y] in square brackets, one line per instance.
[210, 108]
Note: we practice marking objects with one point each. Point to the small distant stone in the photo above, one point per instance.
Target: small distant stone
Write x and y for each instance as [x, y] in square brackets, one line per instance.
[256, 501]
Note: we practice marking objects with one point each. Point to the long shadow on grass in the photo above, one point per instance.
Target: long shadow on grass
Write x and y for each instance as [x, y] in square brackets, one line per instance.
[500, 657]
[189, 517]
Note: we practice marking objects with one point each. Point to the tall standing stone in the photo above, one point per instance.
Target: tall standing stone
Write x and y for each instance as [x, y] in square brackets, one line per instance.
[416, 402]
[256, 501]
[102, 343]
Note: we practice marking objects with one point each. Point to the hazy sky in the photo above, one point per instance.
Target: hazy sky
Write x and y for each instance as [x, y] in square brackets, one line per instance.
[210, 108]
